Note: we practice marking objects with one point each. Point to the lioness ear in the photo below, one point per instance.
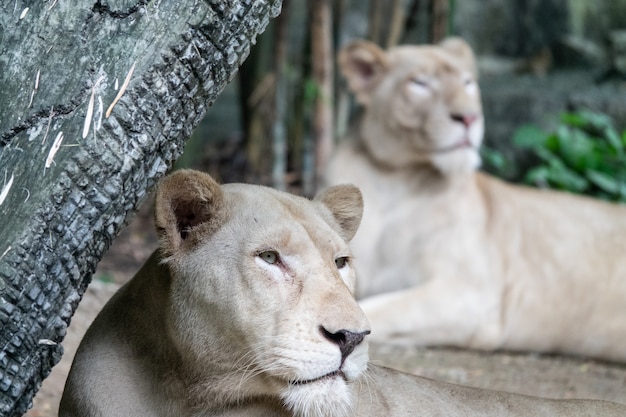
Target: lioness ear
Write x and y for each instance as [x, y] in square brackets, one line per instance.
[345, 203]
[462, 51]
[188, 206]
[362, 63]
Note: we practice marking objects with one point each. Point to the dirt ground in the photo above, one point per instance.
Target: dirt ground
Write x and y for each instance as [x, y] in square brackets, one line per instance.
[532, 374]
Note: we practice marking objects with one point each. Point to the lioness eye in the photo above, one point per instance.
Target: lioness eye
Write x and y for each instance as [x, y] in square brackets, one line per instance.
[341, 261]
[270, 256]
[470, 86]
[419, 87]
[420, 82]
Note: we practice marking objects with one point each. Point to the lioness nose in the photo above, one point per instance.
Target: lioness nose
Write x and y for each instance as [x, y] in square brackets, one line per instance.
[345, 339]
[466, 119]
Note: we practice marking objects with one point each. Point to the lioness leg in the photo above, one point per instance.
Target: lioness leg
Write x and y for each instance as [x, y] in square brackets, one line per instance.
[435, 313]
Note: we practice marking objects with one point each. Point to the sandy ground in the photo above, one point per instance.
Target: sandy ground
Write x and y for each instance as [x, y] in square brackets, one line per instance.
[542, 375]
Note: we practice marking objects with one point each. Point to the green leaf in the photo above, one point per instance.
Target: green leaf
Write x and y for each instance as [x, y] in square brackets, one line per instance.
[493, 158]
[565, 178]
[564, 135]
[105, 277]
[603, 181]
[599, 121]
[614, 140]
[537, 176]
[573, 119]
[546, 155]
[583, 154]
[529, 136]
[576, 147]
[585, 119]
[311, 90]
[552, 143]
[622, 192]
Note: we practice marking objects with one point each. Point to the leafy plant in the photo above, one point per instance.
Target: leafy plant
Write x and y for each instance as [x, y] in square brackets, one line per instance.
[493, 160]
[585, 154]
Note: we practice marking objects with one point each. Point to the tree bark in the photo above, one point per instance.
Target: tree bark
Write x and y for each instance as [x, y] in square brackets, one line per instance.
[322, 53]
[279, 114]
[439, 16]
[76, 160]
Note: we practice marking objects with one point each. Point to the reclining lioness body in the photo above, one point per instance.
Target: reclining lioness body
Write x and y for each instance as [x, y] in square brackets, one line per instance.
[247, 310]
[449, 256]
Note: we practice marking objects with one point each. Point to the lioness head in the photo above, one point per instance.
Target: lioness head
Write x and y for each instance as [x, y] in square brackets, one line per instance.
[262, 282]
[422, 103]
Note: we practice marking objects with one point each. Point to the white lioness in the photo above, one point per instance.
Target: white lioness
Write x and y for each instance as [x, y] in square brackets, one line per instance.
[247, 310]
[450, 256]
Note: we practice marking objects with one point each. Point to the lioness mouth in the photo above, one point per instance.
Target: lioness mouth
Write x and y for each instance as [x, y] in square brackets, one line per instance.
[465, 143]
[321, 378]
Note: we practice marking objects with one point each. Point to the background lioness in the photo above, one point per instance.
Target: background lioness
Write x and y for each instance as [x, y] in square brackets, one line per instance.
[247, 310]
[449, 256]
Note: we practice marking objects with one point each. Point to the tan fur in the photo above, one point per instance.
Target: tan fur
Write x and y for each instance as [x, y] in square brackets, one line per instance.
[448, 256]
[244, 312]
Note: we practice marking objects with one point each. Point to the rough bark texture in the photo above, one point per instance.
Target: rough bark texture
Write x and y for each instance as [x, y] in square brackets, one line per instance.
[60, 208]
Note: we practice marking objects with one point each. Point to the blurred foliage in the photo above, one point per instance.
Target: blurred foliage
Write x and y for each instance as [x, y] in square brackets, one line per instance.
[105, 277]
[494, 161]
[585, 154]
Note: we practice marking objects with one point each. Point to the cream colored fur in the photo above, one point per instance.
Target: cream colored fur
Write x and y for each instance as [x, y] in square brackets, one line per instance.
[449, 256]
[245, 311]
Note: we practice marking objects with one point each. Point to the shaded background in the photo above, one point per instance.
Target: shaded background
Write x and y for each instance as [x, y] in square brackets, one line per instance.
[280, 118]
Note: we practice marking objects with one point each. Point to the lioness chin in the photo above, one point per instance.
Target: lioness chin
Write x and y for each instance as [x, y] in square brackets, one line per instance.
[449, 256]
[247, 310]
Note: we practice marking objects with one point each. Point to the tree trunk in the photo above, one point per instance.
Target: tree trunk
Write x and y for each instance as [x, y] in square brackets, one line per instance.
[439, 20]
[97, 101]
[322, 65]
[279, 114]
